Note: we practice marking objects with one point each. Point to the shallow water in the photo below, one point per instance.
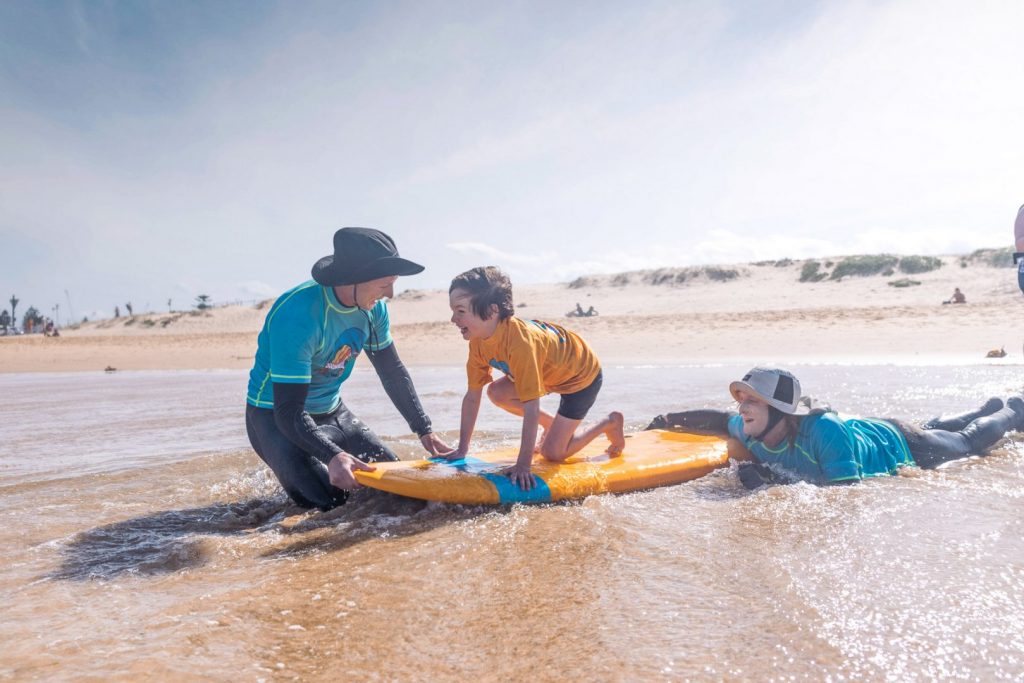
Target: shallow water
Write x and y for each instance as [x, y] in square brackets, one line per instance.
[143, 539]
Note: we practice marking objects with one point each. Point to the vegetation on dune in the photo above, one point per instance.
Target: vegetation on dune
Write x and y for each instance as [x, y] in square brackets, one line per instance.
[997, 258]
[621, 280]
[658, 277]
[811, 272]
[663, 276]
[581, 282]
[867, 264]
[720, 274]
[781, 263]
[913, 265]
[407, 295]
[677, 276]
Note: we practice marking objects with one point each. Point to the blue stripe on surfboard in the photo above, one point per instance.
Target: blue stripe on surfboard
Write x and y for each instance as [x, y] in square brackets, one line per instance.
[508, 492]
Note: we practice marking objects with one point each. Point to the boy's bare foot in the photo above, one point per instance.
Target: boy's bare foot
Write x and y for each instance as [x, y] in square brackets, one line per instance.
[615, 433]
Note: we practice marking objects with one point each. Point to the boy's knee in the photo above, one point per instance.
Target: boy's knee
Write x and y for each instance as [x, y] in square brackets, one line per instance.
[552, 451]
[497, 393]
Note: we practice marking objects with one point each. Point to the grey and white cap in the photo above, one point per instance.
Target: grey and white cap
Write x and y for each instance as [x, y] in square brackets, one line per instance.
[776, 387]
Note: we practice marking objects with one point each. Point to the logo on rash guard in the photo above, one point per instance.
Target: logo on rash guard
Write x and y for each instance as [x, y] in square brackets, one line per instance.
[339, 364]
[501, 365]
[340, 358]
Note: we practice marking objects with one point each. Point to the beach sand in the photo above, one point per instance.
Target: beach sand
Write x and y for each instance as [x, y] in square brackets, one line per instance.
[763, 314]
[146, 540]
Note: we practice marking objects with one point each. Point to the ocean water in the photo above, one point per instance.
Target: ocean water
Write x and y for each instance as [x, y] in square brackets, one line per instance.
[143, 539]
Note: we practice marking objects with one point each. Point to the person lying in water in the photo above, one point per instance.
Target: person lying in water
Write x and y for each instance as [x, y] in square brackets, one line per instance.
[782, 432]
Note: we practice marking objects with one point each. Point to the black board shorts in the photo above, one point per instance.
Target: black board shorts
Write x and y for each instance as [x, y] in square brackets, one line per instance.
[576, 405]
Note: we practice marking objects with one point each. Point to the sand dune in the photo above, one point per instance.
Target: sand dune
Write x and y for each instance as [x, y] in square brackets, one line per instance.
[761, 313]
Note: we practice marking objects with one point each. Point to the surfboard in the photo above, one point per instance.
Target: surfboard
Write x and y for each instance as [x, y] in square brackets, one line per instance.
[651, 458]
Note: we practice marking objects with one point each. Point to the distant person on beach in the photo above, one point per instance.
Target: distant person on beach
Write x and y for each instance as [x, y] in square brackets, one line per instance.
[1018, 229]
[580, 313]
[312, 336]
[786, 436]
[1018, 257]
[536, 358]
[957, 298]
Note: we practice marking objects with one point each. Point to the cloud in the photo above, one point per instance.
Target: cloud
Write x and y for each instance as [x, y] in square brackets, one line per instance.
[83, 32]
[255, 288]
[544, 138]
[501, 256]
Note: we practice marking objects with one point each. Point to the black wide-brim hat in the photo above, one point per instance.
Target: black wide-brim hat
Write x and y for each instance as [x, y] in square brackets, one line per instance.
[361, 255]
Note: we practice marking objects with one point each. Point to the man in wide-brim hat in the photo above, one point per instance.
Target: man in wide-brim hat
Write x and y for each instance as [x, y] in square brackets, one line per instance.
[295, 418]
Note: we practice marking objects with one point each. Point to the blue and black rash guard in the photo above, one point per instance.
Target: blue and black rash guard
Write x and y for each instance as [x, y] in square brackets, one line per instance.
[307, 349]
[835, 450]
[829, 449]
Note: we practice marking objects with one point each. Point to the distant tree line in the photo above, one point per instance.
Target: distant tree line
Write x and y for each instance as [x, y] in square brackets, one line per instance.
[34, 320]
[31, 320]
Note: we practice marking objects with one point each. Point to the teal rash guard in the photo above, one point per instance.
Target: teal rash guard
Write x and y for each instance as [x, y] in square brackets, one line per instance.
[309, 337]
[827, 448]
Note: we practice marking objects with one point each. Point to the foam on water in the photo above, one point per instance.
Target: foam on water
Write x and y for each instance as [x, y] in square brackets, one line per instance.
[174, 533]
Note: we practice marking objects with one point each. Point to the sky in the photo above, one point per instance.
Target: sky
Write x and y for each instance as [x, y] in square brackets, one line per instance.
[155, 151]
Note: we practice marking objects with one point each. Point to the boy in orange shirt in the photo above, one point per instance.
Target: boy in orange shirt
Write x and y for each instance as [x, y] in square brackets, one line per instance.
[537, 358]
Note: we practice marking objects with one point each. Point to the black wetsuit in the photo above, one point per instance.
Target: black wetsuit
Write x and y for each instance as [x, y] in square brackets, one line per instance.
[297, 445]
[950, 438]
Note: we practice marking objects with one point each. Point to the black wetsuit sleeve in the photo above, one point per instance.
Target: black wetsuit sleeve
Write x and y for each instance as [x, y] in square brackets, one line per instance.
[398, 385]
[712, 422]
[297, 425]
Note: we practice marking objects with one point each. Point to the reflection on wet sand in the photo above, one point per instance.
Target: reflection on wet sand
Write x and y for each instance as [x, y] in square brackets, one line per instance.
[199, 568]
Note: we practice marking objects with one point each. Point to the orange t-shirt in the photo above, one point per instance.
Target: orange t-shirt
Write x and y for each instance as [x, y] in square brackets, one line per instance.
[539, 358]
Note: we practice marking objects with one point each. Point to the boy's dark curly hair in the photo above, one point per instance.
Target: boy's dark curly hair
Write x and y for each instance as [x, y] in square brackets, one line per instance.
[486, 285]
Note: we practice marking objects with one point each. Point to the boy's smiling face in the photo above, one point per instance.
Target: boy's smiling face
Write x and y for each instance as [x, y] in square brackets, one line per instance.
[469, 323]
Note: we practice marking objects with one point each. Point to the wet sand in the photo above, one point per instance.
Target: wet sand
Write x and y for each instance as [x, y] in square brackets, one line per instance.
[172, 554]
